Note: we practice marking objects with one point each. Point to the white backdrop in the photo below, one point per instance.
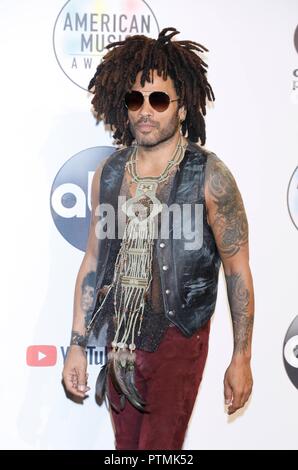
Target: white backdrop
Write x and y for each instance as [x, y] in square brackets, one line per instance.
[252, 127]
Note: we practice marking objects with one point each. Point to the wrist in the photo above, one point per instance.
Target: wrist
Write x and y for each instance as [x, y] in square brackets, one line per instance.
[241, 357]
[78, 339]
[77, 346]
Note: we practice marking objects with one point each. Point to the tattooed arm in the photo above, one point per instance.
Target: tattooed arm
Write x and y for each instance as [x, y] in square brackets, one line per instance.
[75, 368]
[226, 216]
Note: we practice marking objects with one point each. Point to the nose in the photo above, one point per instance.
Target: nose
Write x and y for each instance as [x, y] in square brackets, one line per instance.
[146, 109]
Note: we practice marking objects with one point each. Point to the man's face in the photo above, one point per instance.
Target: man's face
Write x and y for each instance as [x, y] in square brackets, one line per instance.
[87, 297]
[148, 126]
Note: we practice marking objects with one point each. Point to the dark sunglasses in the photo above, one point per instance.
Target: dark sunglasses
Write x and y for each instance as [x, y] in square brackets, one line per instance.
[159, 100]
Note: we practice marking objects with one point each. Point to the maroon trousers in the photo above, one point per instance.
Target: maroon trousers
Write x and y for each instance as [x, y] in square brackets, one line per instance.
[168, 380]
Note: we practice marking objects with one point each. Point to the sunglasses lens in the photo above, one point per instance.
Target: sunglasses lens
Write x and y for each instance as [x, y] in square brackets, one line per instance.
[159, 101]
[134, 100]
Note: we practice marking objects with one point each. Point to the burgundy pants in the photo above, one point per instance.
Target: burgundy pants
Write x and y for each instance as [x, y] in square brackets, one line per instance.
[168, 380]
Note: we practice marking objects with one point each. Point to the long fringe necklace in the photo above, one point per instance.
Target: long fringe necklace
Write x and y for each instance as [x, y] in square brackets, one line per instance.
[132, 279]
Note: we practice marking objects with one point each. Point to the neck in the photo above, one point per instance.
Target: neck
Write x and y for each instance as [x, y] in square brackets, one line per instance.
[160, 154]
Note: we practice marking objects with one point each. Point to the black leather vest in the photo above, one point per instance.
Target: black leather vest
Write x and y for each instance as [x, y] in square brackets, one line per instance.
[189, 277]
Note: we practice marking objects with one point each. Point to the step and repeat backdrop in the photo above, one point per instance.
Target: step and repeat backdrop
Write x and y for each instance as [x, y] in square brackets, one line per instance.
[51, 147]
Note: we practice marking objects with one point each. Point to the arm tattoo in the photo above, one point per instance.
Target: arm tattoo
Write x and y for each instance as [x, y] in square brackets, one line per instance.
[87, 295]
[78, 339]
[230, 221]
[86, 303]
[238, 296]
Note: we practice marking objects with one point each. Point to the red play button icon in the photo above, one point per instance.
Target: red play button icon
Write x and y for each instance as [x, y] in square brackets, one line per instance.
[41, 355]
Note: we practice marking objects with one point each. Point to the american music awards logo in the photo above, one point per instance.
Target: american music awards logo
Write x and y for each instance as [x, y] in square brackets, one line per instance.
[71, 194]
[292, 197]
[83, 29]
[294, 94]
[290, 352]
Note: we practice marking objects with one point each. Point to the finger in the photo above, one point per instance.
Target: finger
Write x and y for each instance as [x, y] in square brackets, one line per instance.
[75, 382]
[82, 377]
[79, 391]
[69, 380]
[228, 393]
[74, 379]
[73, 386]
[78, 394]
[237, 403]
[82, 387]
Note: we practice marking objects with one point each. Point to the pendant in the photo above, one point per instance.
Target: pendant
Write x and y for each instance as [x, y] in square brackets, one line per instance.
[146, 196]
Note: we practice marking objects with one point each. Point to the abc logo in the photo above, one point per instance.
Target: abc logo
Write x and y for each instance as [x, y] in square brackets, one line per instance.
[293, 198]
[71, 194]
[290, 352]
[296, 39]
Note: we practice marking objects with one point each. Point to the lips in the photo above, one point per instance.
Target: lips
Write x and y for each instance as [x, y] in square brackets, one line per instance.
[145, 127]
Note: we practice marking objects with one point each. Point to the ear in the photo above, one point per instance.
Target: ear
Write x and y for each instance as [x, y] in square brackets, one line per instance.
[182, 113]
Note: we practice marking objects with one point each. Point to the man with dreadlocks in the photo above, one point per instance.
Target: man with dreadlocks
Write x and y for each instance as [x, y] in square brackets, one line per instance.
[156, 290]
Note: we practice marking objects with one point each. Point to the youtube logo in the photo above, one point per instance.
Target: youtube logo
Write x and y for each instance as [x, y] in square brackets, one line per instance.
[41, 356]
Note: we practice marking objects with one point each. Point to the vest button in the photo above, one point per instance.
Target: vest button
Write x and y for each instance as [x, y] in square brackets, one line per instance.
[171, 313]
[183, 305]
[162, 245]
[168, 291]
[165, 267]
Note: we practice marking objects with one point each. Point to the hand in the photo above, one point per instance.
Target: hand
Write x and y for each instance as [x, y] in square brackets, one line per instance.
[74, 372]
[237, 384]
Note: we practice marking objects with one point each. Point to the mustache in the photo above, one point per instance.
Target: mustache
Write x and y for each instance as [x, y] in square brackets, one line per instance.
[145, 121]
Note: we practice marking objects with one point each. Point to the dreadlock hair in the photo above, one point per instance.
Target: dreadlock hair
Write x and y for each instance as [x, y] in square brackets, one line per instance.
[117, 72]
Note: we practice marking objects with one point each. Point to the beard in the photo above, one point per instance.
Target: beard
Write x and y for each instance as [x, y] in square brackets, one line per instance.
[159, 136]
